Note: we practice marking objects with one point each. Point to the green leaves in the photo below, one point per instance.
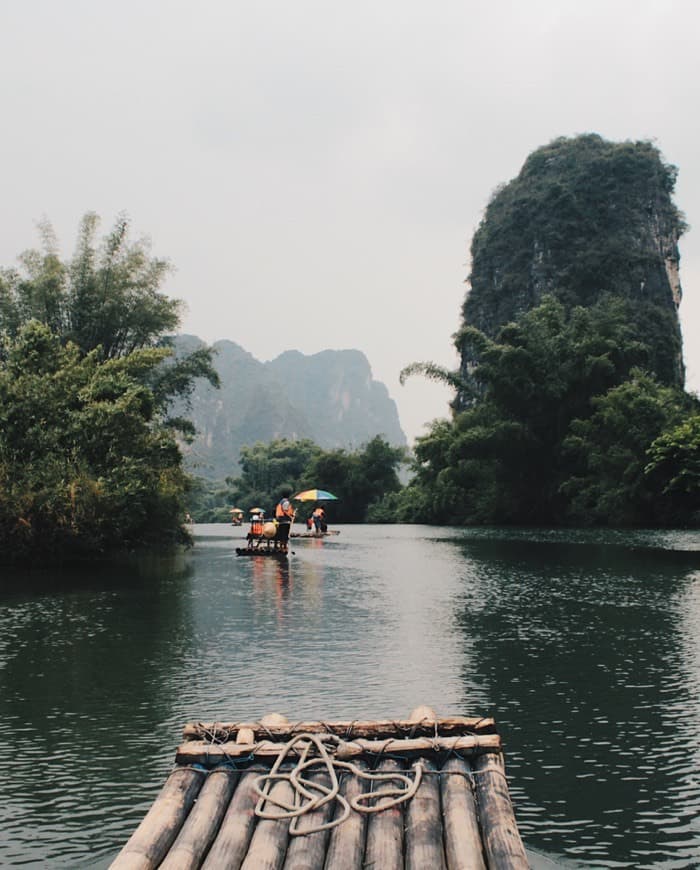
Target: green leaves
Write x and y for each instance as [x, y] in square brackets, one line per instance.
[358, 478]
[674, 467]
[85, 468]
[560, 430]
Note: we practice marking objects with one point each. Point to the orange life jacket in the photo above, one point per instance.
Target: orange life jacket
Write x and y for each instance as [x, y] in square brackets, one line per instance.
[281, 511]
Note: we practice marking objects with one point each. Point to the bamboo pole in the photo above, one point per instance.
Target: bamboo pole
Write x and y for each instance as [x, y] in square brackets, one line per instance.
[463, 849]
[231, 844]
[423, 834]
[150, 842]
[348, 729]
[201, 752]
[308, 851]
[384, 847]
[268, 845]
[347, 841]
[202, 824]
[499, 832]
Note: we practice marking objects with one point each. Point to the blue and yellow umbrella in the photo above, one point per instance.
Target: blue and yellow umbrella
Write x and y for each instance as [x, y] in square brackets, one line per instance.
[315, 495]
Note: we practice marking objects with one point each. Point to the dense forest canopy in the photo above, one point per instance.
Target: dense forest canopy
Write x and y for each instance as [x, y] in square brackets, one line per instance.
[89, 457]
[569, 403]
[357, 478]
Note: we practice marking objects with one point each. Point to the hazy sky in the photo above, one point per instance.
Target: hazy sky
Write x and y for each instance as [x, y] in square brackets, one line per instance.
[315, 169]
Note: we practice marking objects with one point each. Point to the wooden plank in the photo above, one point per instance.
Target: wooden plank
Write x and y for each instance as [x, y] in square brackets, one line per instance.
[308, 851]
[202, 824]
[151, 841]
[231, 844]
[503, 847]
[201, 752]
[385, 831]
[268, 845]
[346, 845]
[347, 729]
[463, 849]
[423, 835]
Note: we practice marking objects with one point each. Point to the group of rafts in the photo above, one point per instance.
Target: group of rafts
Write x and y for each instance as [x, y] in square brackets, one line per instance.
[271, 537]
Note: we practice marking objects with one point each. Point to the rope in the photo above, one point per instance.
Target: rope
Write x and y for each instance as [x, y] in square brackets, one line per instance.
[310, 795]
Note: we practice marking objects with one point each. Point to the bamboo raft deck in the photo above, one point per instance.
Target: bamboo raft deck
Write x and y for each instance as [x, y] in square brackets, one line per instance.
[263, 551]
[330, 533]
[448, 808]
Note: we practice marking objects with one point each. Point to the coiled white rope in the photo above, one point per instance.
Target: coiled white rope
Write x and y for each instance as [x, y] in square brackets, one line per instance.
[310, 795]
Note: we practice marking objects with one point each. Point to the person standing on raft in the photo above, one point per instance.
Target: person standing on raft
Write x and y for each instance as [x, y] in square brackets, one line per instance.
[319, 518]
[284, 517]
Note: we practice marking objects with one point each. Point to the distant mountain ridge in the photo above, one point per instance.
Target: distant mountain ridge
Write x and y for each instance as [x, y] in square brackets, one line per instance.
[329, 397]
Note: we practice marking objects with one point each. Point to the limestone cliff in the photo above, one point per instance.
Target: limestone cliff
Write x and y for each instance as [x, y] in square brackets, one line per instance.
[329, 397]
[583, 219]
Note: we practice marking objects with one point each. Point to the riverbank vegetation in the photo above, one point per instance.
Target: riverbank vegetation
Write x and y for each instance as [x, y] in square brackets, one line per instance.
[569, 403]
[358, 478]
[89, 456]
[568, 428]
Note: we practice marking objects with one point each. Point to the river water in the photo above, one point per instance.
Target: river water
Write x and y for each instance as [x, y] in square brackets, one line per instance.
[584, 646]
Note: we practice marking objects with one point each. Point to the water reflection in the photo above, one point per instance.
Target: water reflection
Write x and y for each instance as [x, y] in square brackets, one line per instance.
[86, 666]
[579, 651]
[584, 647]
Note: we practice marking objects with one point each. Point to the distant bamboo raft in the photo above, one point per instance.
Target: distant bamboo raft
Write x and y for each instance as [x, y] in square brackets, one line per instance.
[423, 792]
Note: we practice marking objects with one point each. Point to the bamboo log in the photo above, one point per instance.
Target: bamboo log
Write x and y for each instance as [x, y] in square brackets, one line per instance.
[385, 831]
[268, 846]
[202, 824]
[245, 735]
[421, 713]
[150, 842]
[463, 848]
[424, 825]
[231, 844]
[347, 841]
[308, 851]
[201, 752]
[347, 729]
[499, 832]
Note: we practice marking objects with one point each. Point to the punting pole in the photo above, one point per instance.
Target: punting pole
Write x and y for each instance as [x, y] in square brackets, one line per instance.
[202, 824]
[461, 826]
[385, 830]
[150, 842]
[499, 832]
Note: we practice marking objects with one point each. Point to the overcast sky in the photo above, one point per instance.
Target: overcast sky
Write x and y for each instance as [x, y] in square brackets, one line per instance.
[315, 169]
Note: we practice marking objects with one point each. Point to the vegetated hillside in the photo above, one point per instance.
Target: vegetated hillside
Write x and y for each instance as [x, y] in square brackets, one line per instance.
[329, 397]
[585, 218]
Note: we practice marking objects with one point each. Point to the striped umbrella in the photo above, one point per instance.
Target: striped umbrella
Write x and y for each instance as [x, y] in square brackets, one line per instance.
[315, 495]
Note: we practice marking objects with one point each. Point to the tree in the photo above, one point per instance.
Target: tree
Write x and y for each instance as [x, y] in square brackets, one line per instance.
[106, 297]
[85, 466]
[500, 459]
[674, 468]
[358, 479]
[609, 485]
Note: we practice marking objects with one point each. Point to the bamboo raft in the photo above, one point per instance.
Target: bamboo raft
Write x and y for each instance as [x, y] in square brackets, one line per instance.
[327, 534]
[262, 551]
[230, 800]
